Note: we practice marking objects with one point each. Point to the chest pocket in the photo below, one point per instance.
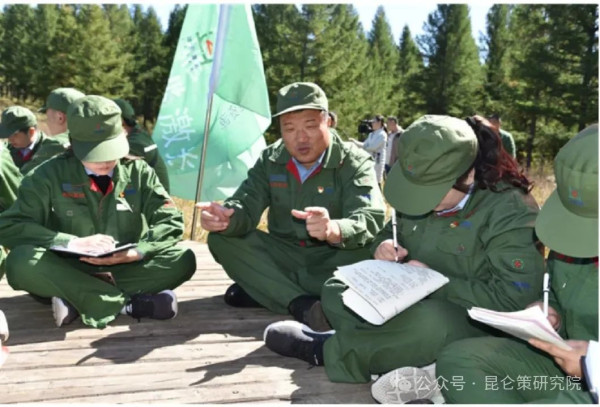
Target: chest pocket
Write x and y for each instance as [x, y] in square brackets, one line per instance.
[128, 221]
[459, 238]
[327, 196]
[73, 217]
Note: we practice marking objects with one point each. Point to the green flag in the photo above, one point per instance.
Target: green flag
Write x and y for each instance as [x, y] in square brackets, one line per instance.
[217, 52]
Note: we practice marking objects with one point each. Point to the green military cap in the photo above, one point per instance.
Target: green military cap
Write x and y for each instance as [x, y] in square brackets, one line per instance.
[568, 221]
[434, 152]
[15, 118]
[60, 99]
[127, 111]
[95, 129]
[300, 96]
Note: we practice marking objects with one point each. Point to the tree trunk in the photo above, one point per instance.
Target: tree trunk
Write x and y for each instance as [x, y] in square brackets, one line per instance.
[530, 138]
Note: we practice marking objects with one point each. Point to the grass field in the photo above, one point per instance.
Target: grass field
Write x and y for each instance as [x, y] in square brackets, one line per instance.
[543, 178]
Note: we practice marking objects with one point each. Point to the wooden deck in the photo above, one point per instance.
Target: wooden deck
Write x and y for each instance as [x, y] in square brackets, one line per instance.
[210, 353]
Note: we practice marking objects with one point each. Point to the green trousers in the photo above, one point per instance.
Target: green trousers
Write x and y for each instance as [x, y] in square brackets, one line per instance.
[505, 371]
[274, 271]
[46, 274]
[412, 338]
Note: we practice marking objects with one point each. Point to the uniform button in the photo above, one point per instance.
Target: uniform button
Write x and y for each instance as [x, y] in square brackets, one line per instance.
[302, 243]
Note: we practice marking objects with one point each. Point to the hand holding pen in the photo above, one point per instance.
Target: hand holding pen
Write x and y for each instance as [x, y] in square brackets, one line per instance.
[389, 249]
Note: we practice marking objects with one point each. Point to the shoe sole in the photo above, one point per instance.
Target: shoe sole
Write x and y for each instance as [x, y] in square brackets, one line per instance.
[294, 324]
[403, 385]
[3, 328]
[174, 305]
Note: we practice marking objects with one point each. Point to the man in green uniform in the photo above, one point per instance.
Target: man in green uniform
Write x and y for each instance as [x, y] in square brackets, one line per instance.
[507, 370]
[88, 199]
[29, 147]
[508, 142]
[10, 179]
[56, 111]
[141, 144]
[324, 210]
[476, 231]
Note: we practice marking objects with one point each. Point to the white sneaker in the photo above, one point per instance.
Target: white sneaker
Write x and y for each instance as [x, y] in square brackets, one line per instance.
[64, 313]
[405, 384]
[3, 328]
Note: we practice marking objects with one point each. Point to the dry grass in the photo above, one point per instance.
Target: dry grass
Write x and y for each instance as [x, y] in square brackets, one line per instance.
[543, 181]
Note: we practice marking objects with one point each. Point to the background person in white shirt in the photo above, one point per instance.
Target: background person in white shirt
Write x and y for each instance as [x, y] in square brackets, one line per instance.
[394, 133]
[376, 144]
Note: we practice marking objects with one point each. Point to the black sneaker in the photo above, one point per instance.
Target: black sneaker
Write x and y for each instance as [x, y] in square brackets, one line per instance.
[309, 311]
[156, 306]
[291, 338]
[235, 296]
[3, 328]
[64, 313]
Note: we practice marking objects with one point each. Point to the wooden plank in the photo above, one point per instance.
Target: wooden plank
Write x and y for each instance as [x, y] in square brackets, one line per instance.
[210, 353]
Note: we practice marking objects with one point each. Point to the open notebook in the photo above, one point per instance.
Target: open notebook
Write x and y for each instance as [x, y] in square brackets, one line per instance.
[526, 324]
[76, 253]
[378, 290]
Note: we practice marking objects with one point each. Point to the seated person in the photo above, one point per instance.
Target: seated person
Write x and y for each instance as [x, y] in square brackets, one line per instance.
[10, 179]
[141, 144]
[56, 106]
[28, 146]
[91, 197]
[463, 209]
[324, 210]
[568, 225]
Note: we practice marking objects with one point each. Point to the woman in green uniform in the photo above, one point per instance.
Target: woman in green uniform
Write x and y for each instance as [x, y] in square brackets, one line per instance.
[515, 372]
[464, 209]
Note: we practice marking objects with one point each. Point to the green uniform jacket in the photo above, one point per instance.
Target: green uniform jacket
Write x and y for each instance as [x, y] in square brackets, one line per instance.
[141, 145]
[44, 149]
[345, 185]
[11, 179]
[63, 138]
[487, 250]
[574, 295]
[56, 203]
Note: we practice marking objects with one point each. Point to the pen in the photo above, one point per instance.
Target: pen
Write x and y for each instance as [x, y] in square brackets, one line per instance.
[394, 232]
[546, 291]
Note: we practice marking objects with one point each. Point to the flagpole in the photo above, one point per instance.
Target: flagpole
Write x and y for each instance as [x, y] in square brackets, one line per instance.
[201, 173]
[214, 75]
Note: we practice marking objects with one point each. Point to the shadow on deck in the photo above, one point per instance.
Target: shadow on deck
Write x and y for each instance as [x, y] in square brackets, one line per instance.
[210, 353]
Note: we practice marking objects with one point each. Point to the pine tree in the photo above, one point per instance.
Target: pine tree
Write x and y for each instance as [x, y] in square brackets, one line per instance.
[383, 60]
[171, 37]
[151, 74]
[410, 69]
[281, 35]
[46, 23]
[574, 42]
[99, 61]
[533, 76]
[63, 64]
[16, 51]
[497, 42]
[453, 75]
[337, 57]
[121, 28]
